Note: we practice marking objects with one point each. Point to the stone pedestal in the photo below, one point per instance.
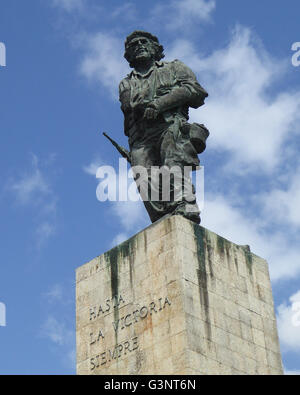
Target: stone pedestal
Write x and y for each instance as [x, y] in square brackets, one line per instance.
[176, 299]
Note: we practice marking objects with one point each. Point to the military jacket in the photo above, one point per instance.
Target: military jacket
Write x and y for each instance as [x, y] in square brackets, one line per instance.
[171, 86]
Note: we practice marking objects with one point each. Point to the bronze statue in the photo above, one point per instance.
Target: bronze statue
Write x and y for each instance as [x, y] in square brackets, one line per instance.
[155, 99]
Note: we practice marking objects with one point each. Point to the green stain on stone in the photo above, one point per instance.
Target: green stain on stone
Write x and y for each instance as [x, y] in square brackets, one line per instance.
[236, 263]
[210, 253]
[223, 246]
[200, 237]
[202, 275]
[220, 245]
[167, 225]
[227, 248]
[114, 257]
[248, 257]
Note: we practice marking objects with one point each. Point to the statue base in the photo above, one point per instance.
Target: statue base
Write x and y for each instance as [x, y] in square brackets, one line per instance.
[176, 299]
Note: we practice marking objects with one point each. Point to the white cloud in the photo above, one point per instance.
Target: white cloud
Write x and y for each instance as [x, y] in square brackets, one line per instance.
[58, 332]
[55, 331]
[92, 168]
[54, 294]
[245, 120]
[43, 232]
[221, 216]
[187, 14]
[33, 190]
[103, 61]
[58, 327]
[282, 205]
[132, 215]
[69, 5]
[228, 220]
[125, 11]
[288, 321]
[119, 239]
[30, 185]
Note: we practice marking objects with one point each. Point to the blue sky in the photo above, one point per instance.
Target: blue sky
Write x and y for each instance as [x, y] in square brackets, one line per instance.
[59, 91]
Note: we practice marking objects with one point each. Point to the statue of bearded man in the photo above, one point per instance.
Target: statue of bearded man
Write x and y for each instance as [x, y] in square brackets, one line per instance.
[155, 99]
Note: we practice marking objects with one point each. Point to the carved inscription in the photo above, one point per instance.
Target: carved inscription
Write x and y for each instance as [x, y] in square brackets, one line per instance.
[106, 307]
[127, 320]
[96, 338]
[119, 350]
[139, 314]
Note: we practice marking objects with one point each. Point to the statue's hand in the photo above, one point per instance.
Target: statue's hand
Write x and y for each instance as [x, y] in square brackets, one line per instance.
[151, 112]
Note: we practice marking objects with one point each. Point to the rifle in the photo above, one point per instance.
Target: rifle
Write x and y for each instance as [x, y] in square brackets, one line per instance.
[123, 151]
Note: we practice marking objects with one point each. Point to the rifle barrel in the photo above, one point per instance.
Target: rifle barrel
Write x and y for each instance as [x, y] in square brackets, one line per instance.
[123, 151]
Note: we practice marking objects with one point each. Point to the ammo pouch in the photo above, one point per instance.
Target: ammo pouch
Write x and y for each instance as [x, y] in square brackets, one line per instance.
[197, 134]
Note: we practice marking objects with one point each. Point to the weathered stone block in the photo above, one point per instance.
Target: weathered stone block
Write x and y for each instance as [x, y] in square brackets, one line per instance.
[176, 299]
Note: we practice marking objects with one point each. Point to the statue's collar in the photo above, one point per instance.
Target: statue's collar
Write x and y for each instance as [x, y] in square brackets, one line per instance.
[136, 73]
